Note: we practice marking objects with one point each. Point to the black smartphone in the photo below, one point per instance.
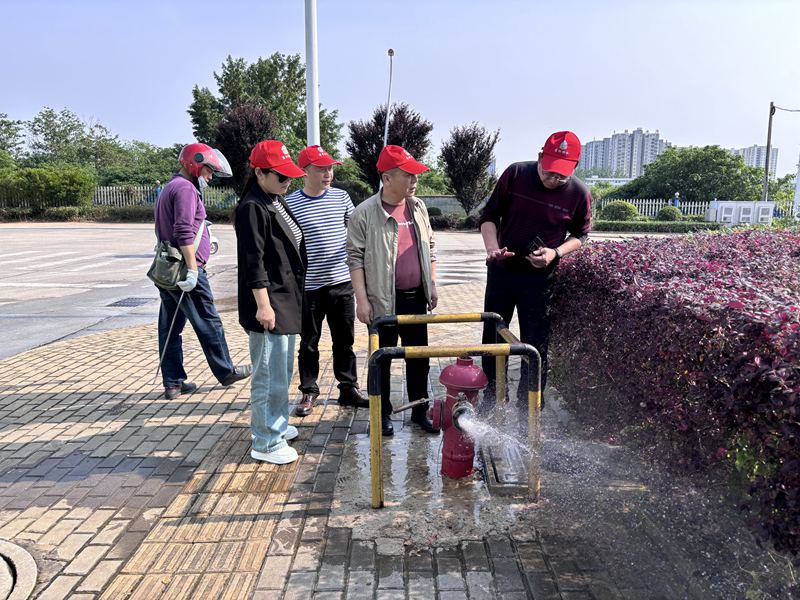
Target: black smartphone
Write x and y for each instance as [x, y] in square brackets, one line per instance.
[535, 244]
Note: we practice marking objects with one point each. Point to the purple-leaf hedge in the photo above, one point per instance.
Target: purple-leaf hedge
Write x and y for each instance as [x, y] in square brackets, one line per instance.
[700, 333]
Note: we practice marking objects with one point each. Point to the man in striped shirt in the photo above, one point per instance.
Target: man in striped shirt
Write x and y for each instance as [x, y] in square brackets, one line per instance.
[323, 212]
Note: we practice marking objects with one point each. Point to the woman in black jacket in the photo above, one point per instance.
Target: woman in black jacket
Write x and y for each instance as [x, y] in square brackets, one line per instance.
[272, 265]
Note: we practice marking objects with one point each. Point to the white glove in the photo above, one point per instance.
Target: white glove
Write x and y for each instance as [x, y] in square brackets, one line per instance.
[188, 284]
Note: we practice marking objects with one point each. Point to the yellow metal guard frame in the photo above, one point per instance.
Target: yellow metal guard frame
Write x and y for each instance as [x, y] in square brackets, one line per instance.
[513, 347]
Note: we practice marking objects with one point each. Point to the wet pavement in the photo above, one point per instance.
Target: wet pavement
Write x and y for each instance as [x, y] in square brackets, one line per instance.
[119, 493]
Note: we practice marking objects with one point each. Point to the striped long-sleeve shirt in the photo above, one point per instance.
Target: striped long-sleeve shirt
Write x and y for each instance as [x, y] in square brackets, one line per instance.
[323, 220]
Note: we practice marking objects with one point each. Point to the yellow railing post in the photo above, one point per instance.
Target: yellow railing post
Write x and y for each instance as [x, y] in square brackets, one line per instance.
[499, 351]
[375, 436]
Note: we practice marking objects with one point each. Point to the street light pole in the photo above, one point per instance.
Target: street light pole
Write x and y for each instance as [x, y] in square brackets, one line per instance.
[765, 195]
[312, 80]
[388, 100]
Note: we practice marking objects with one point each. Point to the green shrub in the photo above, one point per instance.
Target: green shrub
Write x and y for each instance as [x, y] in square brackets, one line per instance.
[43, 187]
[124, 214]
[654, 226]
[470, 223]
[694, 218]
[440, 222]
[219, 215]
[65, 213]
[669, 213]
[434, 211]
[15, 214]
[619, 211]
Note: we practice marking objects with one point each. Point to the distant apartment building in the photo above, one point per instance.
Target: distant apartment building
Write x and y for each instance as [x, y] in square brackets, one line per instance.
[756, 156]
[622, 154]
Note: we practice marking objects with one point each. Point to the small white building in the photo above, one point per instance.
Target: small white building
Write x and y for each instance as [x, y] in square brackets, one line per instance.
[740, 213]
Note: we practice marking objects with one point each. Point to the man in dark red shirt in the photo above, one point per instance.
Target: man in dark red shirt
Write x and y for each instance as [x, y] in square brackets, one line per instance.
[537, 201]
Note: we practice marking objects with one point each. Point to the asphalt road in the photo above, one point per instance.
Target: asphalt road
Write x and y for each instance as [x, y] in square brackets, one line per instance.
[67, 279]
[62, 280]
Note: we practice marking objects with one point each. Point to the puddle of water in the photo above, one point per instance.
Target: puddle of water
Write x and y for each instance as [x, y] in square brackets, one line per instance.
[421, 506]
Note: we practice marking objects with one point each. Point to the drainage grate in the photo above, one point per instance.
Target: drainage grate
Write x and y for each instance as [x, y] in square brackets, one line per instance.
[506, 469]
[130, 302]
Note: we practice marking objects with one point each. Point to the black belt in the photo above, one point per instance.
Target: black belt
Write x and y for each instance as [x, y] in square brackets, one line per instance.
[411, 292]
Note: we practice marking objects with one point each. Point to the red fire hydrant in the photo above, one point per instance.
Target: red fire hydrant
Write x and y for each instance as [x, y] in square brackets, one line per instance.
[463, 381]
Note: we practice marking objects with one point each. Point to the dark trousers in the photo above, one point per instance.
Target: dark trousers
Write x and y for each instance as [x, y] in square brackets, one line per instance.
[336, 304]
[198, 308]
[409, 302]
[530, 293]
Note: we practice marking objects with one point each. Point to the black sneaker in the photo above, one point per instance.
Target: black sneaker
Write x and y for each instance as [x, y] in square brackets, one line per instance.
[173, 391]
[239, 373]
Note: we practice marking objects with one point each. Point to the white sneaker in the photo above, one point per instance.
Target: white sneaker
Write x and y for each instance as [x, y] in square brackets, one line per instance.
[281, 456]
[291, 433]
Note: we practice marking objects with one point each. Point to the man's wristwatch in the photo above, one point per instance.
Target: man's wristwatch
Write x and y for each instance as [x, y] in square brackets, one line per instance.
[559, 256]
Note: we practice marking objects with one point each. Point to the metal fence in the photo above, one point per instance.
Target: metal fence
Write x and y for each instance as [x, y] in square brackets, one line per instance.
[139, 195]
[120, 196]
[649, 207]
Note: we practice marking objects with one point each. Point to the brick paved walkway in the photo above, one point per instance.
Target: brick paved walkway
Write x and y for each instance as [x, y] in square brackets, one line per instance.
[119, 493]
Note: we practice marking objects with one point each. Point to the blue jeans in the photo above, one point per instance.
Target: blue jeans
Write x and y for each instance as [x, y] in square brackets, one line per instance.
[198, 308]
[273, 362]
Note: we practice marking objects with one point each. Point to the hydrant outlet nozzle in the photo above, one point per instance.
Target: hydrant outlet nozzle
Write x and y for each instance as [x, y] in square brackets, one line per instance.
[463, 408]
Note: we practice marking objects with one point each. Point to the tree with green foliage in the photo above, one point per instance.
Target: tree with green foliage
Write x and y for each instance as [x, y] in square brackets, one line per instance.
[435, 182]
[699, 174]
[55, 137]
[241, 128]
[407, 128]
[601, 189]
[61, 138]
[467, 156]
[278, 84]
[6, 161]
[11, 138]
[140, 163]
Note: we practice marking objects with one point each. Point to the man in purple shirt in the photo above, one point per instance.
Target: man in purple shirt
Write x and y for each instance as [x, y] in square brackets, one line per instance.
[537, 214]
[179, 215]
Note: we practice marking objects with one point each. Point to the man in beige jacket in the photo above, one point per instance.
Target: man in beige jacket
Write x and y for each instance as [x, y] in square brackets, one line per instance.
[392, 229]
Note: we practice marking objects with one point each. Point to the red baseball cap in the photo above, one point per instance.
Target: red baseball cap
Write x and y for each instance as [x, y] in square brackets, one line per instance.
[396, 157]
[561, 153]
[272, 154]
[315, 155]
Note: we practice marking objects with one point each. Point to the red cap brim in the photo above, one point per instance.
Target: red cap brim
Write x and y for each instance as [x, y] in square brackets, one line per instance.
[561, 166]
[289, 169]
[413, 167]
[324, 161]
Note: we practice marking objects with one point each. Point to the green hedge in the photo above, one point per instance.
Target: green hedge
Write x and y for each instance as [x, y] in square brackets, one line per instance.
[669, 213]
[619, 211]
[41, 188]
[655, 226]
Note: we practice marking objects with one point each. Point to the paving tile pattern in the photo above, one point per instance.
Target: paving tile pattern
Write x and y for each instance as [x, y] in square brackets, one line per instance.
[119, 493]
[91, 454]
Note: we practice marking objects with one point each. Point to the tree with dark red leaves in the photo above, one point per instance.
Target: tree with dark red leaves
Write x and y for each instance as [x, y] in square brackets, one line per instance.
[467, 156]
[241, 128]
[407, 128]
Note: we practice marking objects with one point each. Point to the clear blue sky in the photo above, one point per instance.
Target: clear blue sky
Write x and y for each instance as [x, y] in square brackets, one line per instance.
[702, 72]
